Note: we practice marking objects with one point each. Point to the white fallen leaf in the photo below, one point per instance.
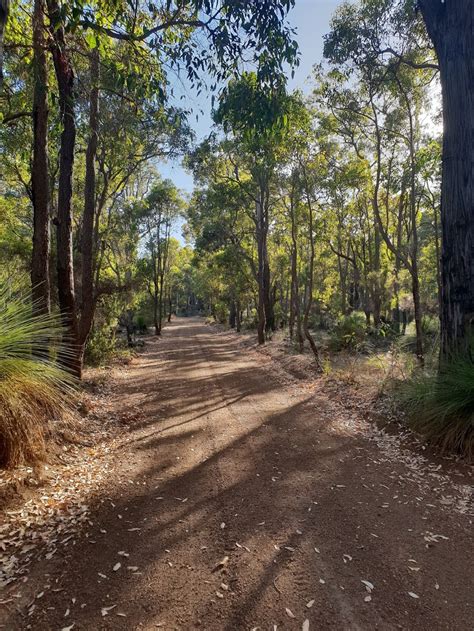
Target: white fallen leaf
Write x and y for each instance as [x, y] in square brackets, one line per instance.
[368, 598]
[221, 564]
[368, 585]
[346, 558]
[69, 627]
[289, 613]
[317, 550]
[413, 595]
[219, 595]
[322, 581]
[305, 626]
[117, 566]
[105, 610]
[223, 525]
[310, 603]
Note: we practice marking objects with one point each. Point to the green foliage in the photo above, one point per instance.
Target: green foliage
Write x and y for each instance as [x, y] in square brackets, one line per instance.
[441, 406]
[101, 347]
[349, 333]
[35, 392]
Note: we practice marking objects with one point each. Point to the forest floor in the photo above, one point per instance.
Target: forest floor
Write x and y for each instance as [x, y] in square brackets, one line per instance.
[237, 497]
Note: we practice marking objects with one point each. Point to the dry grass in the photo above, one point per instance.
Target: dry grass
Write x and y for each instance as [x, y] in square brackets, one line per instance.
[35, 392]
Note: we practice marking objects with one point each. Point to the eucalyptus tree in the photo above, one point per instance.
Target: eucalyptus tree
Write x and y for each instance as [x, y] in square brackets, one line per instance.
[143, 41]
[400, 36]
[156, 217]
[392, 98]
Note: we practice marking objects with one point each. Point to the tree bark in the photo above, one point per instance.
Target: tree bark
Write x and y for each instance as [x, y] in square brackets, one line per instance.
[262, 255]
[65, 268]
[232, 314]
[40, 281]
[4, 11]
[238, 316]
[451, 28]
[170, 304]
[88, 298]
[296, 311]
[309, 301]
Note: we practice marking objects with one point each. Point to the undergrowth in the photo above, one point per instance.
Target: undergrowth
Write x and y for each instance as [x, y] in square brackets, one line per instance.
[440, 406]
[35, 392]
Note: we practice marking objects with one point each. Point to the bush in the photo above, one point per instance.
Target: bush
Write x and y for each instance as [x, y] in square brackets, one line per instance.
[349, 333]
[441, 406]
[101, 347]
[34, 391]
[141, 324]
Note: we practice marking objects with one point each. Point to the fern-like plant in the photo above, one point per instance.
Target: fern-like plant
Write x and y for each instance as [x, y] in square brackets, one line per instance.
[35, 392]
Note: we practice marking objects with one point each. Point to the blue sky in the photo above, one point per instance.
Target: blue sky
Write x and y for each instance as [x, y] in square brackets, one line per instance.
[311, 19]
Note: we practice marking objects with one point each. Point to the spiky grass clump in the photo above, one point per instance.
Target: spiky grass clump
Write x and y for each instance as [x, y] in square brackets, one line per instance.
[35, 392]
[441, 406]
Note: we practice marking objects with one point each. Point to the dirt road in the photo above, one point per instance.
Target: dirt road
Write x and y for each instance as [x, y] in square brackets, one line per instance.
[239, 503]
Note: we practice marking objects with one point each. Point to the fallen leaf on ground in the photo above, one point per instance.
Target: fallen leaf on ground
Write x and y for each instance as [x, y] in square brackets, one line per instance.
[221, 564]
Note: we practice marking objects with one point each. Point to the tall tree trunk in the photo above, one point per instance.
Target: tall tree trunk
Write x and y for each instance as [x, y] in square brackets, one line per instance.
[232, 314]
[238, 316]
[309, 301]
[451, 27]
[376, 289]
[262, 255]
[88, 298]
[4, 11]
[170, 304]
[414, 227]
[294, 280]
[65, 269]
[156, 304]
[40, 281]
[269, 294]
[160, 303]
[438, 256]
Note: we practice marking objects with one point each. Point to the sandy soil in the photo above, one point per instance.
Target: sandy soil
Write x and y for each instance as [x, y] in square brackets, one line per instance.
[241, 501]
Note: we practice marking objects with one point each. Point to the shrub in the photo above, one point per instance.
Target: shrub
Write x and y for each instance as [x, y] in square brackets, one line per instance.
[141, 324]
[101, 347]
[441, 406]
[349, 333]
[35, 392]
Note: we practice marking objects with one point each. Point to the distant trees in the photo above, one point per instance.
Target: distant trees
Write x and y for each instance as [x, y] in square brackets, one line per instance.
[347, 194]
[98, 81]
[394, 37]
[156, 216]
